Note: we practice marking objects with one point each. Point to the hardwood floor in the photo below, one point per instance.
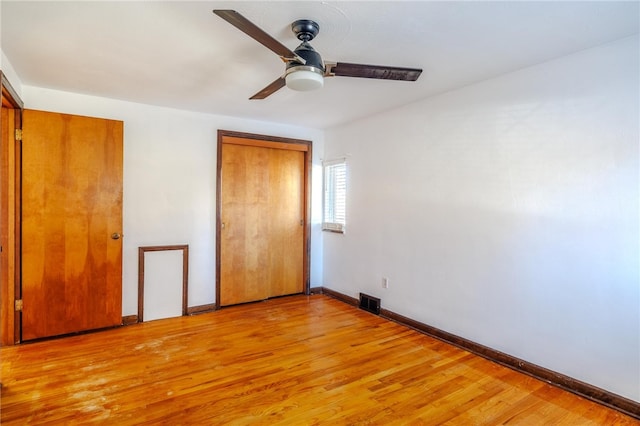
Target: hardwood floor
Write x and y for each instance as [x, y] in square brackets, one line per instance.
[297, 360]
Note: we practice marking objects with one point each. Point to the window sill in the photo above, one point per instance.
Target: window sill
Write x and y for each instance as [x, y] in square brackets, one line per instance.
[334, 231]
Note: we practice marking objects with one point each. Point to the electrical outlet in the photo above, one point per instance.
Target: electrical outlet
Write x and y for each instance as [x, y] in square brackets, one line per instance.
[385, 282]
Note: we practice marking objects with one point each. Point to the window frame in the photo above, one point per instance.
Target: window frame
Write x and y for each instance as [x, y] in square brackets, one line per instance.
[332, 206]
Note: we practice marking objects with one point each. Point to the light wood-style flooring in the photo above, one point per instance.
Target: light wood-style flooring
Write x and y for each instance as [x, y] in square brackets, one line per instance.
[299, 360]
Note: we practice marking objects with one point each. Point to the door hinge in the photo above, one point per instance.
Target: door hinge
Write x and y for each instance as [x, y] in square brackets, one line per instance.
[18, 134]
[18, 305]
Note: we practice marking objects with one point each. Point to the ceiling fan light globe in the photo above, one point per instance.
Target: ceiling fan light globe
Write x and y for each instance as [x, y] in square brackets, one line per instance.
[304, 80]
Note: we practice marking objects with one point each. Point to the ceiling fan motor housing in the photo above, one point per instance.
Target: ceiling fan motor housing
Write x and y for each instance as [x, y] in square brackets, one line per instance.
[306, 30]
[307, 76]
[309, 54]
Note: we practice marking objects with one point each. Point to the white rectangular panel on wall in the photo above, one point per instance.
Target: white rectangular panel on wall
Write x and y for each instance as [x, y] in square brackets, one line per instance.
[163, 279]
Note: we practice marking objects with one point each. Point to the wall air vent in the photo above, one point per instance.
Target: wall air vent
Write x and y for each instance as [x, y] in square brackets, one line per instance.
[369, 303]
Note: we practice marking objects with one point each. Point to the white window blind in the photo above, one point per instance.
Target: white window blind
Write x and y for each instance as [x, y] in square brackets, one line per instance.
[335, 196]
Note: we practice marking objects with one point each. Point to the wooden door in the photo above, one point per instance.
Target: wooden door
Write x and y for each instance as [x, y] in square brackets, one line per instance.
[262, 230]
[286, 222]
[71, 207]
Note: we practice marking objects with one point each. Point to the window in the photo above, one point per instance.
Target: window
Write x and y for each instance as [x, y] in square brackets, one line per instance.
[335, 195]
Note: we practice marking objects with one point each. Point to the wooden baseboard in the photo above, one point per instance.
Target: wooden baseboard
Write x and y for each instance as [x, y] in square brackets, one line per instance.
[341, 297]
[201, 309]
[562, 381]
[193, 310]
[129, 319]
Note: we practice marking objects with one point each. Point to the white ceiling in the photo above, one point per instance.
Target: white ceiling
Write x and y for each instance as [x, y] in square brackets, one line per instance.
[179, 54]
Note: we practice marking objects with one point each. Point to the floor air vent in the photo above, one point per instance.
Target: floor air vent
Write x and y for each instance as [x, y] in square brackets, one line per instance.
[370, 303]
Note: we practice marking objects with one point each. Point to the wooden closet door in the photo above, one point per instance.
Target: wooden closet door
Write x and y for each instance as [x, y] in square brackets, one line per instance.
[262, 229]
[71, 207]
[244, 268]
[286, 224]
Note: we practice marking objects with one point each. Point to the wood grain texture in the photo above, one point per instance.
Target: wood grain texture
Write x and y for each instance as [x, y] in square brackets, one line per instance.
[247, 141]
[263, 223]
[300, 360]
[10, 220]
[286, 222]
[563, 381]
[244, 265]
[228, 137]
[201, 309]
[8, 229]
[582, 389]
[71, 204]
[243, 138]
[130, 319]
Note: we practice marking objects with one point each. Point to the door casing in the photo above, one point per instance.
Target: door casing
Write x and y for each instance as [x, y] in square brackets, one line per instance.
[257, 140]
[10, 208]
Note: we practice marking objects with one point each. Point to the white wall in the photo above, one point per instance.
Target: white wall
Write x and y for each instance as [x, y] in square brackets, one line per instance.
[170, 181]
[507, 213]
[10, 74]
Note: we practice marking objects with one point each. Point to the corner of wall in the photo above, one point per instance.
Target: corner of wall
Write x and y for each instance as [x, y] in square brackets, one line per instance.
[10, 73]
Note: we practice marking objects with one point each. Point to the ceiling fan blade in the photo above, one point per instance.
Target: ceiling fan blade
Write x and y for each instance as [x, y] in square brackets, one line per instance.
[270, 89]
[344, 69]
[255, 32]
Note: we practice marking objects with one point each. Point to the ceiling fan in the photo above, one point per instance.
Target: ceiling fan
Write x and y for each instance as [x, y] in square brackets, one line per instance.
[305, 69]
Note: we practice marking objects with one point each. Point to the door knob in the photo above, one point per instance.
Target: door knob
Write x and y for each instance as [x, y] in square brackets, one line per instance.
[115, 236]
